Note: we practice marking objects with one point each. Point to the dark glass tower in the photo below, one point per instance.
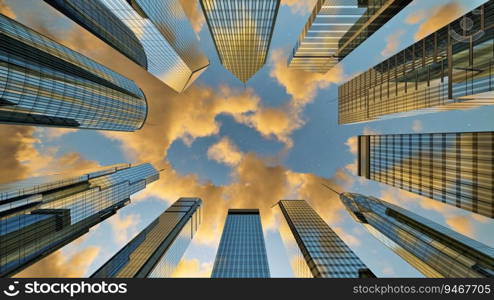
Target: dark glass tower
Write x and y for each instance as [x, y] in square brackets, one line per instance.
[241, 32]
[336, 28]
[454, 168]
[102, 22]
[157, 250]
[432, 249]
[43, 214]
[313, 248]
[46, 84]
[450, 69]
[173, 52]
[242, 253]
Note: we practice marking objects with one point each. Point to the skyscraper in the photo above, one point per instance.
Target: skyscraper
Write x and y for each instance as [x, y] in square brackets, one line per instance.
[43, 214]
[449, 69]
[242, 253]
[173, 52]
[454, 168]
[432, 249]
[241, 32]
[46, 84]
[313, 248]
[336, 27]
[157, 250]
[103, 23]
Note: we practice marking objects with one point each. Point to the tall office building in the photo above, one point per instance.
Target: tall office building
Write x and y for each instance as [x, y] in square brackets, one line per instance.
[336, 27]
[173, 52]
[432, 249]
[103, 23]
[43, 214]
[454, 168]
[313, 248]
[242, 252]
[449, 69]
[157, 250]
[46, 84]
[241, 32]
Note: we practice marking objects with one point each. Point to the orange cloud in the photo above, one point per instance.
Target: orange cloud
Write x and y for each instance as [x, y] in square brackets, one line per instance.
[436, 18]
[300, 6]
[461, 224]
[5, 9]
[192, 268]
[194, 14]
[225, 152]
[59, 266]
[392, 43]
[124, 228]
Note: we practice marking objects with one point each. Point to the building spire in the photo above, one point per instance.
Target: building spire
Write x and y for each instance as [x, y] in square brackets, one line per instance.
[331, 189]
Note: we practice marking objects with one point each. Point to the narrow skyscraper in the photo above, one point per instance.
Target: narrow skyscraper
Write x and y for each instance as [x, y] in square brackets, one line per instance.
[157, 250]
[43, 214]
[313, 248]
[173, 52]
[432, 249]
[453, 168]
[241, 32]
[449, 69]
[46, 84]
[336, 28]
[242, 252]
[103, 23]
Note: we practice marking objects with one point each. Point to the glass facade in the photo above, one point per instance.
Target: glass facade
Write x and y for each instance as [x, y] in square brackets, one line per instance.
[158, 249]
[454, 168]
[336, 27]
[432, 249]
[172, 49]
[46, 84]
[102, 22]
[43, 214]
[313, 248]
[450, 69]
[241, 32]
[242, 252]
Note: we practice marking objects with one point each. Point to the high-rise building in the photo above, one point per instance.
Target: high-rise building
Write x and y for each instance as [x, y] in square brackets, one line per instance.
[173, 52]
[432, 249]
[43, 214]
[454, 168]
[242, 252]
[156, 251]
[46, 84]
[241, 32]
[103, 23]
[336, 27]
[449, 69]
[313, 248]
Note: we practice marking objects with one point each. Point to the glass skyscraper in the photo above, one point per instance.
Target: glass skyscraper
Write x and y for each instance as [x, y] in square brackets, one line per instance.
[46, 84]
[43, 214]
[242, 252]
[450, 69]
[241, 32]
[454, 168]
[336, 27]
[313, 248]
[157, 250]
[103, 23]
[432, 249]
[173, 52]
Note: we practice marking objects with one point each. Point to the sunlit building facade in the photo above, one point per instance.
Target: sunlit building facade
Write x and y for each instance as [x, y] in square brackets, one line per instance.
[336, 27]
[432, 249]
[46, 84]
[157, 250]
[453, 168]
[242, 252]
[241, 32]
[313, 248]
[103, 23]
[173, 52]
[42, 214]
[450, 69]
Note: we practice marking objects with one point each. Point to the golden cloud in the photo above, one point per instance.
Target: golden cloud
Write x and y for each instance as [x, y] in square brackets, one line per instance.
[392, 43]
[123, 228]
[194, 14]
[192, 268]
[6, 10]
[436, 18]
[300, 6]
[225, 152]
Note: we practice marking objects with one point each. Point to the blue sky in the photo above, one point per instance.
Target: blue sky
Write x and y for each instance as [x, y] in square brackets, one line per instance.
[319, 145]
